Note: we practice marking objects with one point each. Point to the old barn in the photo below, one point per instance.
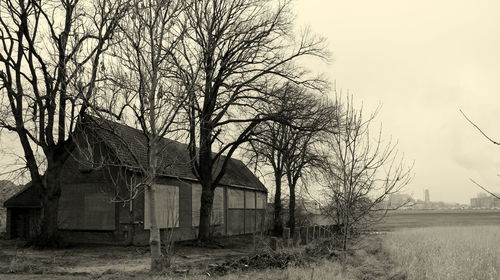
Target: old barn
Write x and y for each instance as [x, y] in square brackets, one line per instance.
[100, 201]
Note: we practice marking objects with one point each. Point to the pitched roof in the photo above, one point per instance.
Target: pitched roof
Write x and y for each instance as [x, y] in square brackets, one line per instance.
[130, 147]
[27, 196]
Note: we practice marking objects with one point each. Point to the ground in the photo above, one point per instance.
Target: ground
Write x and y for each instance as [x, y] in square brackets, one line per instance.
[92, 261]
[115, 262]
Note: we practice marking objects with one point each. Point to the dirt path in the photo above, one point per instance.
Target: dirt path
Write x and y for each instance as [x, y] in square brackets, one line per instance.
[83, 262]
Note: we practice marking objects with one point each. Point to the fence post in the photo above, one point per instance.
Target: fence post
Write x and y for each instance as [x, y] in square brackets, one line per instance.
[286, 236]
[296, 237]
[303, 235]
[274, 243]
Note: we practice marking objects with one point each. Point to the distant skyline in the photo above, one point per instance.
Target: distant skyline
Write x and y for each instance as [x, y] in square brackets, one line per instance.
[422, 61]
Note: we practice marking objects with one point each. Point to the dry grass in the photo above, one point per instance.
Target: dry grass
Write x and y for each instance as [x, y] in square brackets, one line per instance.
[368, 263]
[457, 252]
[321, 271]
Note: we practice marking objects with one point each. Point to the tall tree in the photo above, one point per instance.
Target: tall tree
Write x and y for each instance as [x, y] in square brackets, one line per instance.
[292, 148]
[304, 152]
[50, 59]
[144, 92]
[234, 54]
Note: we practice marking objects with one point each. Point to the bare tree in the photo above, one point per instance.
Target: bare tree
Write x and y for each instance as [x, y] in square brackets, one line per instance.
[304, 154]
[489, 139]
[144, 91]
[235, 54]
[50, 57]
[291, 149]
[362, 173]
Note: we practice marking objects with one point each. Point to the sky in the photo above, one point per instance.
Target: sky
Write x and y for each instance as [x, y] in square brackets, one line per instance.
[422, 61]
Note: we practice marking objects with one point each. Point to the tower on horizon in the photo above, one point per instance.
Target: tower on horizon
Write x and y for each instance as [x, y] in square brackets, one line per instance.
[427, 196]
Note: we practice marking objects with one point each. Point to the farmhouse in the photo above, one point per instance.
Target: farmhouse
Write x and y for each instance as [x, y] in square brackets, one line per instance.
[101, 203]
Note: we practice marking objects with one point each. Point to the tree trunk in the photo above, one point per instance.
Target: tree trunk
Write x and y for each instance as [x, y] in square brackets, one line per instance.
[154, 231]
[47, 234]
[291, 210]
[207, 198]
[345, 235]
[277, 222]
[157, 259]
[206, 180]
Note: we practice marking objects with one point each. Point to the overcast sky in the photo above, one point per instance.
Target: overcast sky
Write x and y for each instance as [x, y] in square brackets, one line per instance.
[423, 61]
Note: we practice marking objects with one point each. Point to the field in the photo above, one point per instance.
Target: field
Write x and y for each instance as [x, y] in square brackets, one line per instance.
[412, 245]
[432, 218]
[455, 252]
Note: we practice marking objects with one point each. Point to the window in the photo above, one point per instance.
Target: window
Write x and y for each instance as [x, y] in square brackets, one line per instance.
[261, 200]
[236, 198]
[249, 200]
[85, 207]
[217, 216]
[167, 210]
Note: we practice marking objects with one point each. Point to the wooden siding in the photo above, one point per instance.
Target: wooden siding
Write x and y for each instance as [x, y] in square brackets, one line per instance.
[167, 210]
[261, 200]
[217, 216]
[249, 200]
[236, 198]
[85, 207]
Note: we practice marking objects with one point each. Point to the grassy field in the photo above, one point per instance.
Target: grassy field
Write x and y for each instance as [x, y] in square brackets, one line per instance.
[428, 244]
[453, 252]
[432, 218]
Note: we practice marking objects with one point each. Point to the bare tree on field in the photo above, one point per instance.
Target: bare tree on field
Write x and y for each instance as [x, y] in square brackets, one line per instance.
[235, 54]
[486, 189]
[143, 90]
[292, 148]
[362, 172]
[50, 63]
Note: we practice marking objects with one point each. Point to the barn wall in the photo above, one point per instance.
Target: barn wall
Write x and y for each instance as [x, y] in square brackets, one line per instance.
[129, 219]
[87, 185]
[23, 222]
[244, 216]
[85, 206]
[184, 231]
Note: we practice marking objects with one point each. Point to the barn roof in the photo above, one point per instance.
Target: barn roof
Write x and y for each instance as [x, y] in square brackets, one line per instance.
[130, 147]
[27, 197]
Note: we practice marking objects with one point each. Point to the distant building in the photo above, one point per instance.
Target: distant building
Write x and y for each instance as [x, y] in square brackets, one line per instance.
[483, 201]
[427, 196]
[399, 200]
[482, 195]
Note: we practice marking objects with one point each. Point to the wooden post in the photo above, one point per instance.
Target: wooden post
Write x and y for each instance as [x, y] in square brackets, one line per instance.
[254, 241]
[286, 236]
[296, 237]
[274, 243]
[303, 235]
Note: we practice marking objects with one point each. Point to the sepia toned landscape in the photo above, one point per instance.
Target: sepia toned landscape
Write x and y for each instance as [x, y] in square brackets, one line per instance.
[411, 246]
[249, 139]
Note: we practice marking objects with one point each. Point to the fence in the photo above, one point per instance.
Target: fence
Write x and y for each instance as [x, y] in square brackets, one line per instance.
[303, 235]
